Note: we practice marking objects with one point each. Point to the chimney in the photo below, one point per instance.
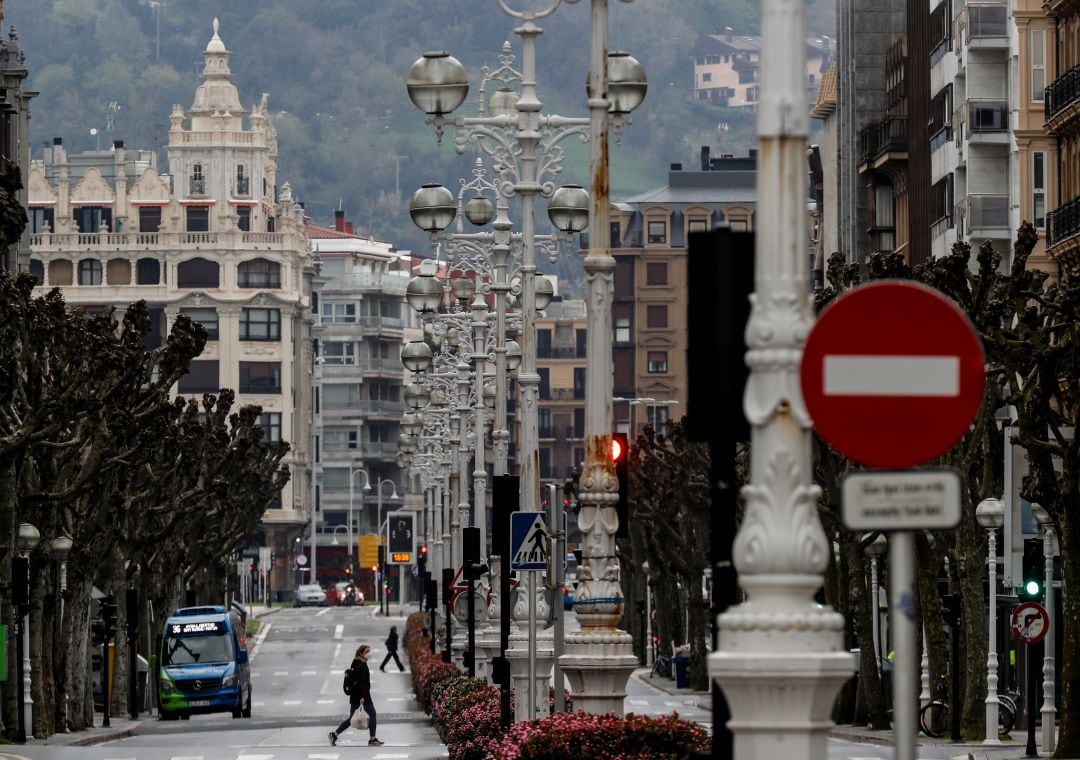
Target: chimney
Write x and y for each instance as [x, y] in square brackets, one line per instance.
[728, 32]
[676, 167]
[349, 228]
[118, 144]
[705, 158]
[339, 220]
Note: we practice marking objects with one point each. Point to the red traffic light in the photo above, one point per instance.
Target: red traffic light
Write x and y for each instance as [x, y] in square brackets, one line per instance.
[374, 568]
[618, 447]
[423, 551]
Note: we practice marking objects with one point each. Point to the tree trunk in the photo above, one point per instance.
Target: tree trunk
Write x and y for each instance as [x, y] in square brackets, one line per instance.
[77, 650]
[971, 554]
[1069, 715]
[861, 602]
[699, 649]
[7, 531]
[937, 643]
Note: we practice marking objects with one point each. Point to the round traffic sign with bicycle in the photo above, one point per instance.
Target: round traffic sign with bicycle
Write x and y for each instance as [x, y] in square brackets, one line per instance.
[1030, 622]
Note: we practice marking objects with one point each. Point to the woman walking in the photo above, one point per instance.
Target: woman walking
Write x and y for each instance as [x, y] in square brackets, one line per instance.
[358, 686]
[391, 650]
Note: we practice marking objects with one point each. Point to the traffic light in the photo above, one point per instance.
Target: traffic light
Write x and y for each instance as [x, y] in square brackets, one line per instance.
[1032, 588]
[348, 571]
[108, 616]
[620, 454]
[20, 581]
[131, 609]
[421, 561]
[374, 568]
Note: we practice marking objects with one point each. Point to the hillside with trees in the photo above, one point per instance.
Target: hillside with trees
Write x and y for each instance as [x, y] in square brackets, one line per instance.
[335, 73]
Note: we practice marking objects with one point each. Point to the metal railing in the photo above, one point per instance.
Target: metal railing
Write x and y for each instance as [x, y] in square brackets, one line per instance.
[1063, 222]
[987, 20]
[197, 186]
[885, 135]
[243, 186]
[1062, 92]
[985, 116]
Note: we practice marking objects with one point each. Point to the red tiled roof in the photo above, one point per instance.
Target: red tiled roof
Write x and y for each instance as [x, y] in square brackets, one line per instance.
[326, 232]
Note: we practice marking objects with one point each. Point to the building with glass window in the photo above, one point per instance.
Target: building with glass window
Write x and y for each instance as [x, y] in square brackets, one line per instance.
[213, 239]
[362, 321]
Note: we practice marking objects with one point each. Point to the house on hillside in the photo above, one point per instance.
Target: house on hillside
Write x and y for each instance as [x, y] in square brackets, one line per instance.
[727, 67]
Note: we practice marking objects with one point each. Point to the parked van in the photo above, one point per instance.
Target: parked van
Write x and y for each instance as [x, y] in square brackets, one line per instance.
[204, 664]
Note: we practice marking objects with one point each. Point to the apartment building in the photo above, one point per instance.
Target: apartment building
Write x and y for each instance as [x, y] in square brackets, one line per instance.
[362, 322]
[560, 363]
[212, 239]
[1062, 114]
[15, 133]
[727, 67]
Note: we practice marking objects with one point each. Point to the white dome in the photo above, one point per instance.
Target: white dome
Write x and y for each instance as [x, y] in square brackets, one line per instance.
[215, 45]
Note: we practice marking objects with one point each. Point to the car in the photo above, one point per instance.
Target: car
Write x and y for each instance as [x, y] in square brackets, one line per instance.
[310, 595]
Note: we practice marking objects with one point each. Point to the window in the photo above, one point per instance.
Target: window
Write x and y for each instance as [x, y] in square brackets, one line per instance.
[656, 316]
[339, 352]
[259, 273]
[201, 377]
[260, 377]
[89, 272]
[93, 218]
[657, 232]
[260, 324]
[208, 318]
[341, 395]
[197, 273]
[658, 417]
[336, 479]
[616, 236]
[581, 338]
[737, 225]
[38, 270]
[1038, 188]
[656, 273]
[622, 329]
[336, 311]
[147, 272]
[198, 181]
[706, 77]
[543, 344]
[579, 383]
[40, 218]
[149, 218]
[697, 225]
[1038, 64]
[198, 218]
[243, 218]
[657, 361]
[243, 183]
[270, 422]
[543, 422]
[339, 439]
[545, 382]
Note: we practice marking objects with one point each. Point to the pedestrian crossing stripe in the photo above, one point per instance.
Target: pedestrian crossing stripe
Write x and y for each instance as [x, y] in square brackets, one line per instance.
[528, 541]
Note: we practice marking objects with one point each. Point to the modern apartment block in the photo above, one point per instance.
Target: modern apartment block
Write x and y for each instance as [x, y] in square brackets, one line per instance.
[212, 239]
[561, 362]
[362, 323]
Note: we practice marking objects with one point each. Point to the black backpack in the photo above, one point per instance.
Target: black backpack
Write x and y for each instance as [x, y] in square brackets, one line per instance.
[349, 682]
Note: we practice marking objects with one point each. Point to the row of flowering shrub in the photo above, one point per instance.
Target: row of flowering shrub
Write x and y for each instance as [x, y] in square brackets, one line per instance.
[466, 712]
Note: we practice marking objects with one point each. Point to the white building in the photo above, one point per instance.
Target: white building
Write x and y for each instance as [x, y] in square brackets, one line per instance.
[212, 239]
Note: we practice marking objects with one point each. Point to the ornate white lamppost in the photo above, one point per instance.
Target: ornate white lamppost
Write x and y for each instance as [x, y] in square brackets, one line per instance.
[1049, 710]
[780, 658]
[26, 541]
[991, 515]
[874, 550]
[60, 548]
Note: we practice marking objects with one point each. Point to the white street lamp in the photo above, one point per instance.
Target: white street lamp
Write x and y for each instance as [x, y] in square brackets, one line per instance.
[1049, 711]
[353, 472]
[25, 541]
[61, 547]
[991, 515]
[874, 550]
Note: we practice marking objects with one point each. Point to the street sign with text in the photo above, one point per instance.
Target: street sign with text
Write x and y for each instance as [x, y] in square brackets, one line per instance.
[892, 374]
[905, 500]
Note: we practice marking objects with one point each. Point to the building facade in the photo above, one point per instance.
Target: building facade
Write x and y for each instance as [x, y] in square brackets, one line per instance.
[212, 239]
[1062, 113]
[362, 323]
[15, 134]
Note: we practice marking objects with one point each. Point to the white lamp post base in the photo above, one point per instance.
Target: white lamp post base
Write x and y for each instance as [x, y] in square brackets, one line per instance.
[518, 655]
[598, 664]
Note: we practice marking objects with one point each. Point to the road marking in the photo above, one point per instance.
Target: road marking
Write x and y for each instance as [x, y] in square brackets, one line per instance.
[387, 756]
[280, 673]
[338, 630]
[253, 704]
[325, 701]
[293, 702]
[323, 612]
[892, 376]
[254, 757]
[323, 757]
[187, 757]
[638, 701]
[309, 673]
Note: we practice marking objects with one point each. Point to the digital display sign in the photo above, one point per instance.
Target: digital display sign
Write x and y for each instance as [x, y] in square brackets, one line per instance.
[401, 558]
[206, 626]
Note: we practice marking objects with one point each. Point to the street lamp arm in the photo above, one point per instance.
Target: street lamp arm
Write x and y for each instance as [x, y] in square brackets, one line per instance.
[530, 15]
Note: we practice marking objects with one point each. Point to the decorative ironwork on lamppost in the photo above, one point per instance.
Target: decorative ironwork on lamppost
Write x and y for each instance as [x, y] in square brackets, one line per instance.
[781, 658]
[1048, 710]
[526, 145]
[60, 547]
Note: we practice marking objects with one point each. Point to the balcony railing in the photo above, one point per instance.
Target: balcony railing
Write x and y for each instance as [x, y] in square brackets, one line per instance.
[166, 241]
[987, 20]
[243, 186]
[1062, 92]
[869, 140]
[884, 136]
[197, 186]
[986, 116]
[1063, 222]
[987, 212]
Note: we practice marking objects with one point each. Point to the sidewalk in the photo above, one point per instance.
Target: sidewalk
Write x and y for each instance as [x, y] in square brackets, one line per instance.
[1010, 748]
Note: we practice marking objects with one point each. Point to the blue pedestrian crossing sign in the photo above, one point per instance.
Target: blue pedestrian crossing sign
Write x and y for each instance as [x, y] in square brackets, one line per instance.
[529, 548]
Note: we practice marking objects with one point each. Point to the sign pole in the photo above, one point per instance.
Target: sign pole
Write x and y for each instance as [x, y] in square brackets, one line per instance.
[901, 617]
[1034, 654]
[532, 644]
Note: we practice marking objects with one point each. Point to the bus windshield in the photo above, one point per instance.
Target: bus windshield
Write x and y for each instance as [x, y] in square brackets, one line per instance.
[189, 650]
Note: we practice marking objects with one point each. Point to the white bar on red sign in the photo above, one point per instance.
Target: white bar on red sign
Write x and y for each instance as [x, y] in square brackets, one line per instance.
[892, 376]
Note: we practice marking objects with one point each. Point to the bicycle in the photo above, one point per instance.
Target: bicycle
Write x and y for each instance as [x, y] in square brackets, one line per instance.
[662, 666]
[934, 717]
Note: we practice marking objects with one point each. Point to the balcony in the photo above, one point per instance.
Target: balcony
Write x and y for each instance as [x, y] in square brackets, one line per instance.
[986, 121]
[883, 140]
[987, 215]
[197, 186]
[1062, 100]
[986, 26]
[1063, 223]
[243, 187]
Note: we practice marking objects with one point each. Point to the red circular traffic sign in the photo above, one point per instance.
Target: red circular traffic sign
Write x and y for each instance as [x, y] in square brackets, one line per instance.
[892, 374]
[1030, 622]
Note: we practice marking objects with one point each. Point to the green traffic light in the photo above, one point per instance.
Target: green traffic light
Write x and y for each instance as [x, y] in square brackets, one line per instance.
[1032, 588]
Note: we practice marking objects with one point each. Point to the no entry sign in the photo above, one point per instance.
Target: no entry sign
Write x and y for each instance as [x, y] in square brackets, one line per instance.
[892, 374]
[1030, 622]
